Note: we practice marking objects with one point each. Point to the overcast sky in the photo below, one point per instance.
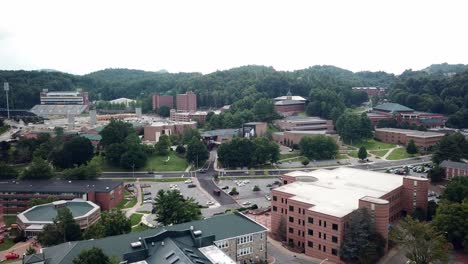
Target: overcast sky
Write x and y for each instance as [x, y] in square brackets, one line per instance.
[204, 36]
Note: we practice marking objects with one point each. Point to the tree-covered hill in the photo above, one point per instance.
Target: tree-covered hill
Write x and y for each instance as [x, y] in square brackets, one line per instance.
[327, 87]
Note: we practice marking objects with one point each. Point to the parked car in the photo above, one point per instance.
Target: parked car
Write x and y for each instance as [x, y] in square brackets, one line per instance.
[246, 203]
[11, 255]
[191, 185]
[217, 192]
[209, 203]
[147, 193]
[188, 181]
[225, 187]
[268, 197]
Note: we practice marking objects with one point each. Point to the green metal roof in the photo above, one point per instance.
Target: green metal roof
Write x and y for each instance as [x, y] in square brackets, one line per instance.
[213, 229]
[92, 137]
[392, 107]
[48, 212]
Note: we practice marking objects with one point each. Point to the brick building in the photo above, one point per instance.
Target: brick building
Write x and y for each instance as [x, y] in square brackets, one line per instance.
[186, 101]
[309, 123]
[370, 91]
[188, 116]
[454, 169]
[424, 140]
[15, 196]
[155, 130]
[403, 114]
[294, 137]
[315, 206]
[162, 100]
[289, 104]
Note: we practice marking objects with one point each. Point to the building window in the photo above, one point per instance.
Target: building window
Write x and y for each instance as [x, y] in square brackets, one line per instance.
[320, 247]
[299, 210]
[310, 232]
[324, 236]
[298, 232]
[244, 251]
[244, 239]
[291, 230]
[291, 208]
[310, 244]
[334, 252]
[275, 208]
[222, 244]
[298, 221]
[334, 226]
[320, 234]
[261, 246]
[291, 219]
[320, 222]
[324, 223]
[324, 248]
[334, 239]
[282, 200]
[275, 198]
[261, 235]
[311, 220]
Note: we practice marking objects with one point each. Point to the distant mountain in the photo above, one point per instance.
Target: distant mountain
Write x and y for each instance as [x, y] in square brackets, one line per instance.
[445, 68]
[47, 70]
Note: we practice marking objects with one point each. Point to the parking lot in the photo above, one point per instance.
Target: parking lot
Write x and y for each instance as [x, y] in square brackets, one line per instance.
[416, 171]
[247, 196]
[201, 197]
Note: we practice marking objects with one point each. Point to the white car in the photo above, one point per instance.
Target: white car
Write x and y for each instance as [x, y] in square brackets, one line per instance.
[188, 181]
[268, 197]
[246, 181]
[209, 203]
[246, 203]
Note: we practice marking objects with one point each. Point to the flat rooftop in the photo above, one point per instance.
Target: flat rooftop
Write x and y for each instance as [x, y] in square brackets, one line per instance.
[47, 212]
[303, 119]
[337, 192]
[410, 132]
[59, 186]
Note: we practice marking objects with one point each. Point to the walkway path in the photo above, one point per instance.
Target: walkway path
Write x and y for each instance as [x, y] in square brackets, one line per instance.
[389, 152]
[132, 210]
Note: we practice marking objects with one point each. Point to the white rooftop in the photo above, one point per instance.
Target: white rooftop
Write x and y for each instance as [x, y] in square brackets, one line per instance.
[216, 255]
[337, 192]
[294, 98]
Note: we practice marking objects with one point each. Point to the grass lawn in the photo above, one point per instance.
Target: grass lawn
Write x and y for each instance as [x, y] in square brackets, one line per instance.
[155, 163]
[379, 153]
[131, 203]
[121, 205]
[295, 153]
[400, 153]
[372, 144]
[154, 180]
[135, 219]
[342, 156]
[301, 114]
[7, 243]
[353, 153]
[9, 219]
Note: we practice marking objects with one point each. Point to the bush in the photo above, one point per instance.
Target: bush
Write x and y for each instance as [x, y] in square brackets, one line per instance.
[254, 206]
[256, 188]
[233, 191]
[180, 150]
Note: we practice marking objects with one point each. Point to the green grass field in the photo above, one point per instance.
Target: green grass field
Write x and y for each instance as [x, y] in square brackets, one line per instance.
[154, 180]
[135, 219]
[372, 144]
[379, 153]
[139, 228]
[400, 153]
[155, 163]
[353, 153]
[7, 243]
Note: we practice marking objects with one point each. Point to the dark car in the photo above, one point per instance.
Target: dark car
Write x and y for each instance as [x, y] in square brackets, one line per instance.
[217, 192]
[147, 193]
[191, 185]
[225, 187]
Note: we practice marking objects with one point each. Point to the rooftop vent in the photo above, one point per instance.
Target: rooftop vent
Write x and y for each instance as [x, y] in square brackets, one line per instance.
[162, 243]
[69, 181]
[170, 254]
[174, 260]
[197, 233]
[135, 244]
[191, 228]
[152, 244]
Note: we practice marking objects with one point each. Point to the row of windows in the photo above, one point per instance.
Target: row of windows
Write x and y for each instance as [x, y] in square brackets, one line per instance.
[244, 251]
[244, 239]
[310, 232]
[222, 244]
[323, 248]
[310, 220]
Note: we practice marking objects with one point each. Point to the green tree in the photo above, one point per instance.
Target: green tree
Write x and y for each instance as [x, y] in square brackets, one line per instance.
[451, 147]
[114, 152]
[256, 188]
[318, 147]
[361, 243]
[197, 152]
[7, 172]
[411, 148]
[305, 161]
[164, 111]
[92, 256]
[39, 201]
[362, 153]
[457, 190]
[112, 223]
[172, 208]
[30, 250]
[236, 153]
[115, 132]
[325, 103]
[180, 150]
[436, 174]
[264, 110]
[73, 152]
[264, 151]
[39, 169]
[189, 134]
[452, 219]
[133, 159]
[90, 171]
[162, 147]
[421, 241]
[64, 228]
[352, 127]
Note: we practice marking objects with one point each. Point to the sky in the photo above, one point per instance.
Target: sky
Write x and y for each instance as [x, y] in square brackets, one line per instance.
[204, 36]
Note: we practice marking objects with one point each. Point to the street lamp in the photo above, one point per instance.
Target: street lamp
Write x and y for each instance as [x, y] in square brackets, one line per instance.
[6, 87]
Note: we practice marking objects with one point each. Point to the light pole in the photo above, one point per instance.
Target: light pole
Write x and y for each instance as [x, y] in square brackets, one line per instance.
[6, 87]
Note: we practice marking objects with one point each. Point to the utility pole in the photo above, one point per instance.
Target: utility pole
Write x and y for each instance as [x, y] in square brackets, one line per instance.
[6, 87]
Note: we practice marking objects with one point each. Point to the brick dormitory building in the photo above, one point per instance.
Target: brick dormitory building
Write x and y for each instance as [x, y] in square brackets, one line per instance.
[315, 206]
[16, 196]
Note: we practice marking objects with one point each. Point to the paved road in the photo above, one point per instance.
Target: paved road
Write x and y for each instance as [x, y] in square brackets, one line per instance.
[281, 255]
[389, 164]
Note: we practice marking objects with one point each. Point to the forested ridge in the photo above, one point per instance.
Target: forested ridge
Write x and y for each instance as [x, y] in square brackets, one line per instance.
[440, 88]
